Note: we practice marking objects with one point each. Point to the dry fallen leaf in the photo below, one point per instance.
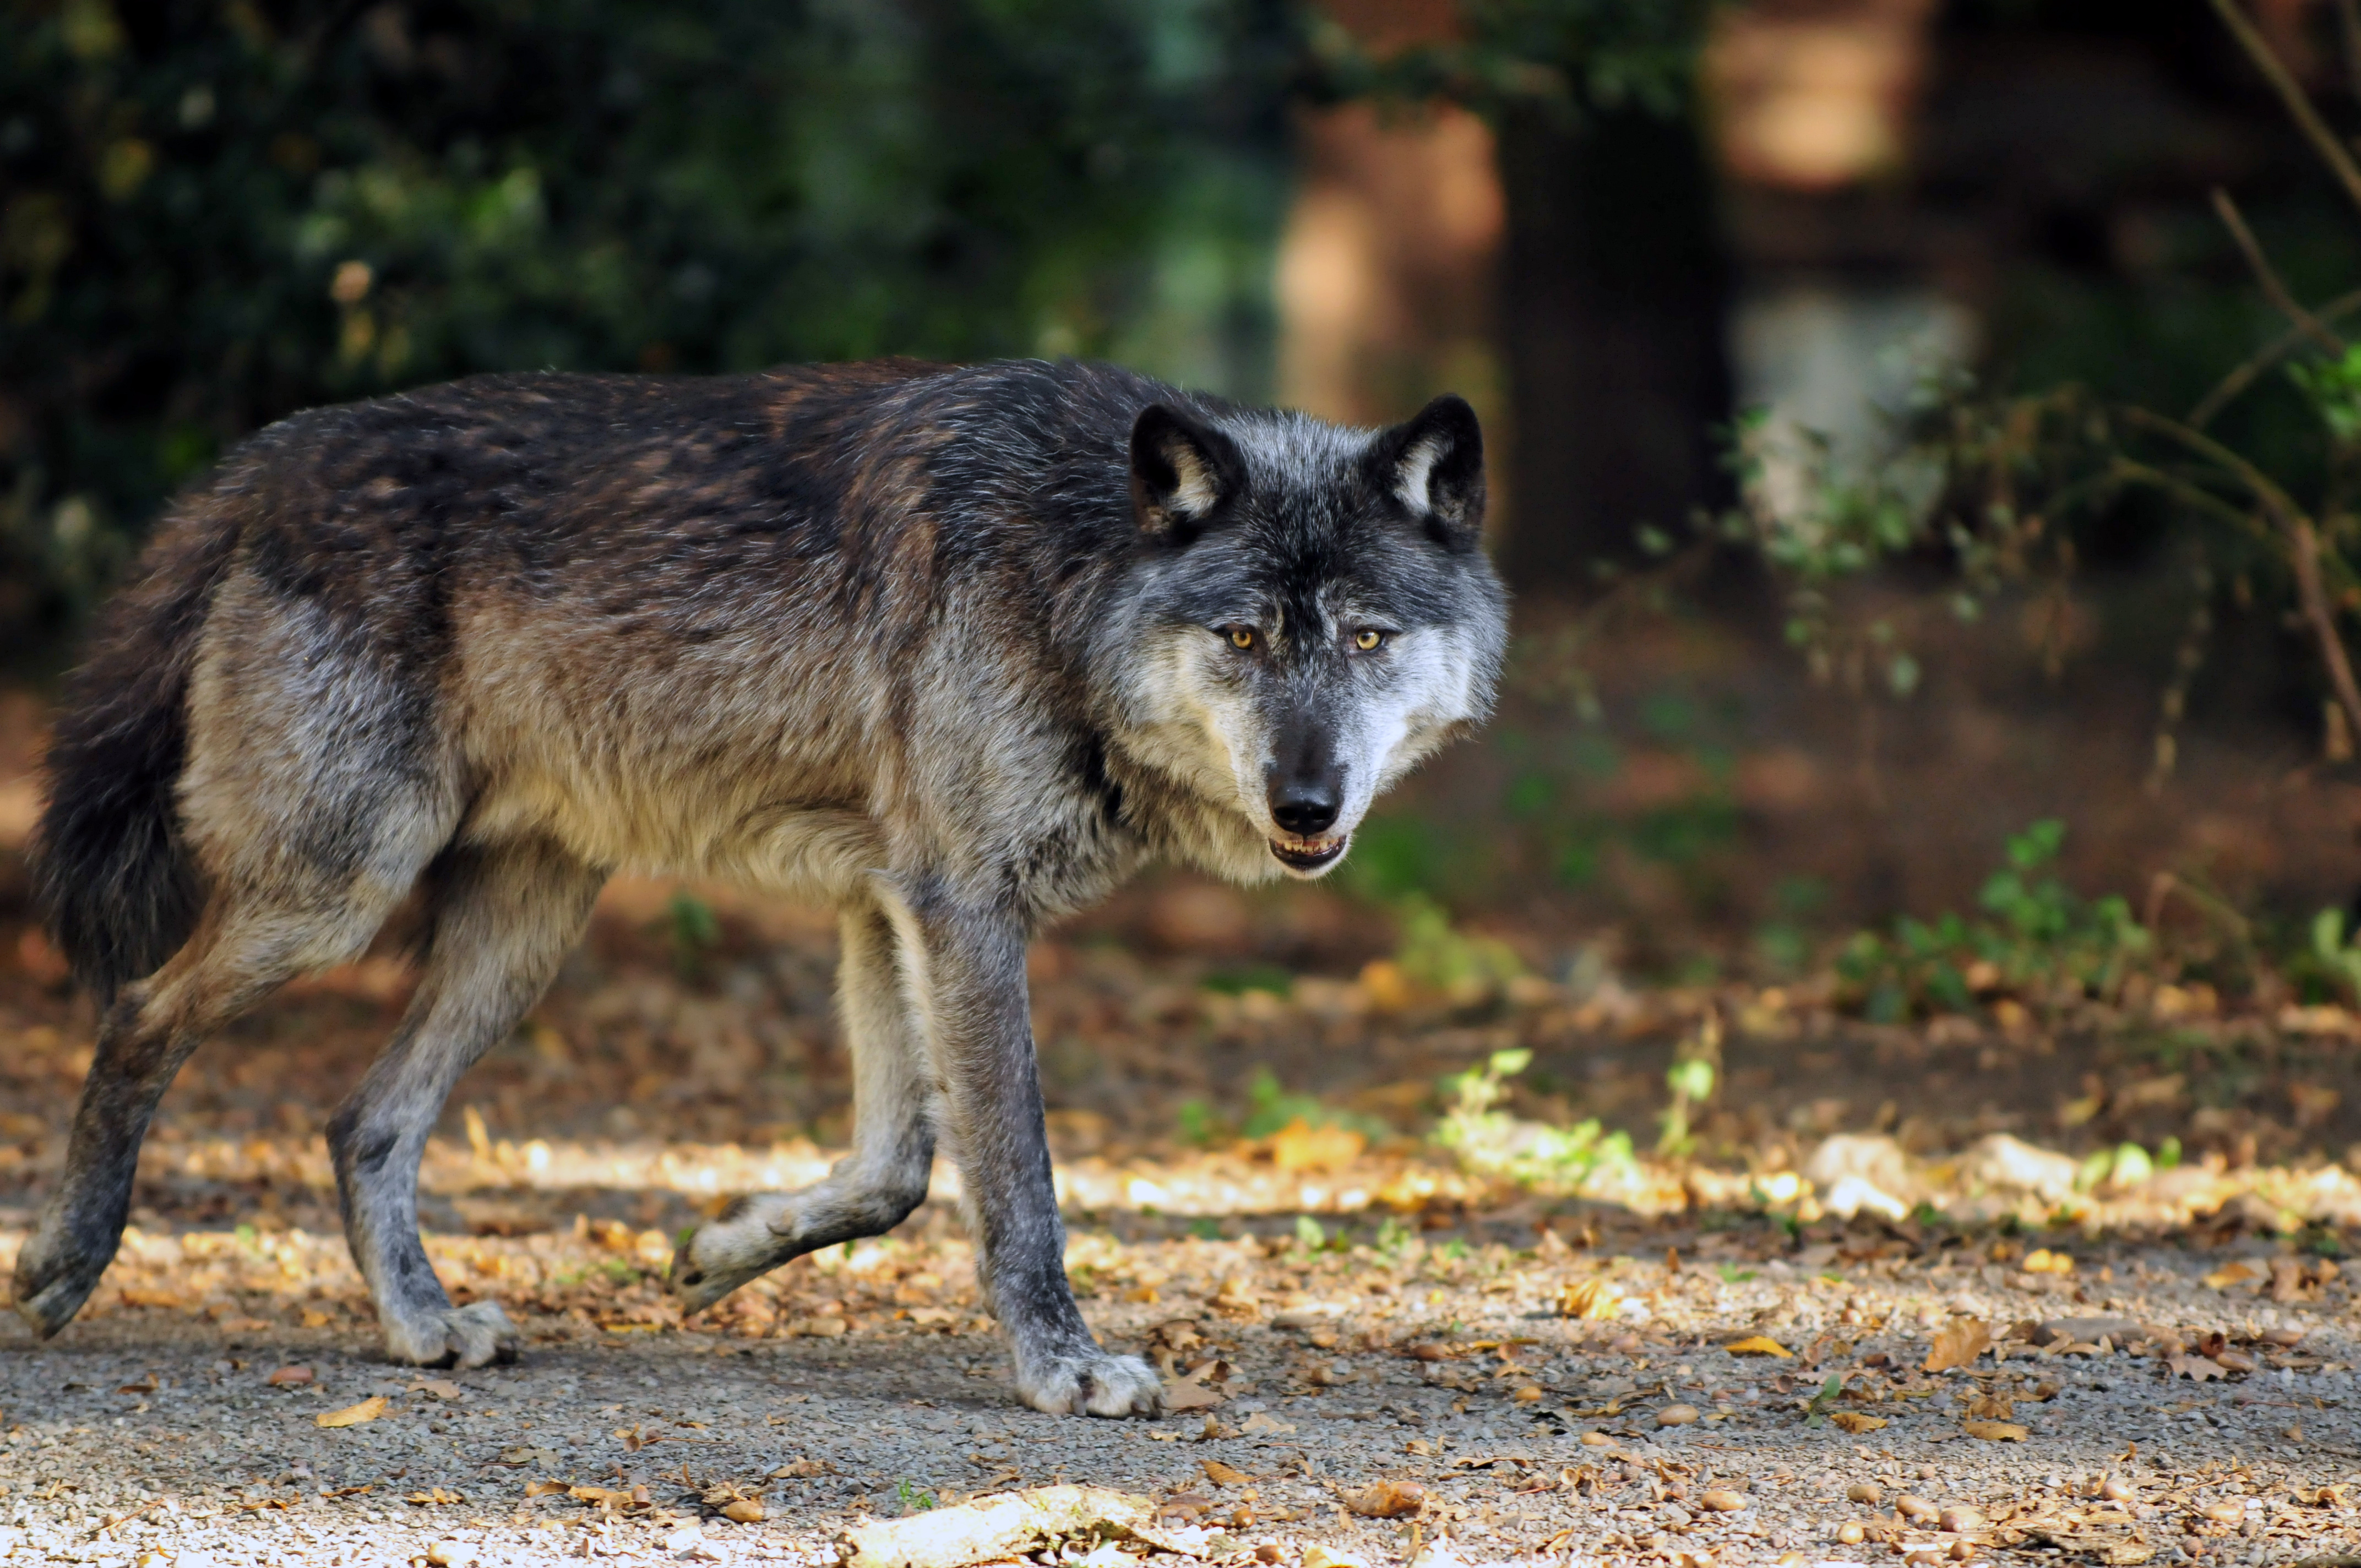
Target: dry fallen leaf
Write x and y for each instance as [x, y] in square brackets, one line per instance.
[1186, 1395]
[1958, 1344]
[1758, 1344]
[2197, 1368]
[800, 1469]
[1993, 1406]
[1222, 1475]
[743, 1511]
[1854, 1422]
[441, 1387]
[1387, 1500]
[289, 1376]
[1592, 1299]
[1997, 1431]
[2041, 1260]
[368, 1409]
[542, 1488]
[2230, 1273]
[1677, 1415]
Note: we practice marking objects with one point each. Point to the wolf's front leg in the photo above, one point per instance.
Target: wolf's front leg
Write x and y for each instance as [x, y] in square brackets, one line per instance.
[874, 1188]
[970, 968]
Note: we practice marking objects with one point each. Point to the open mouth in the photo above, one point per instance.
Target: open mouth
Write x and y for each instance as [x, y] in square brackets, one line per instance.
[1308, 855]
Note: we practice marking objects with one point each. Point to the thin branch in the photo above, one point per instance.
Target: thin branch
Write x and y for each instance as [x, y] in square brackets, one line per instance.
[2277, 500]
[2233, 387]
[2273, 289]
[2302, 543]
[2322, 619]
[2291, 93]
[2194, 497]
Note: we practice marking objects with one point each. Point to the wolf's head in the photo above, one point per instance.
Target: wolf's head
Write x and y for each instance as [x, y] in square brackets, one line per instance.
[1313, 615]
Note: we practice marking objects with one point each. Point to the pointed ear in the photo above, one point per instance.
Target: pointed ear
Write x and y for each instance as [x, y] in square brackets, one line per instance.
[1183, 471]
[1433, 464]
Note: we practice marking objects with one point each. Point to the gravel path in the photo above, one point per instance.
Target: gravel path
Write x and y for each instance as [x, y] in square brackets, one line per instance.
[154, 1435]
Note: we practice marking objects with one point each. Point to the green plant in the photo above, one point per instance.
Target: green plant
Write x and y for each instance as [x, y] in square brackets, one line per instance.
[1438, 956]
[1696, 1070]
[909, 1499]
[1267, 978]
[2337, 955]
[695, 931]
[1495, 1142]
[2041, 941]
[1194, 1119]
[1817, 1411]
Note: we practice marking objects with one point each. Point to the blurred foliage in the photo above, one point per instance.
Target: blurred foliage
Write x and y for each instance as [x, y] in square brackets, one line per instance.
[1564, 58]
[2041, 943]
[1492, 1142]
[217, 214]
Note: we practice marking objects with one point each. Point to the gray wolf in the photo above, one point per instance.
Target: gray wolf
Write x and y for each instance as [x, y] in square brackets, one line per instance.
[951, 649]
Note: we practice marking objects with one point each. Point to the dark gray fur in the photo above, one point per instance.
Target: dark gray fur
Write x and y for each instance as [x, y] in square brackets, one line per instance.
[952, 649]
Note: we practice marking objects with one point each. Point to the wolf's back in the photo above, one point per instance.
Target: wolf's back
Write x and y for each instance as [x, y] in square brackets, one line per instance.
[110, 867]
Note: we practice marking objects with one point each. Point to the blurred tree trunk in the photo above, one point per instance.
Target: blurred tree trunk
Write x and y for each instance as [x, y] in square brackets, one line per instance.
[1614, 297]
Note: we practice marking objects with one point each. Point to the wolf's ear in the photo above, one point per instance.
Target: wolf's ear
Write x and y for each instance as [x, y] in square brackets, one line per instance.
[1433, 464]
[1183, 471]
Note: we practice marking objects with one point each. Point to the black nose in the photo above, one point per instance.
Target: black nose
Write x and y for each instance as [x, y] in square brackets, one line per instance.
[1306, 807]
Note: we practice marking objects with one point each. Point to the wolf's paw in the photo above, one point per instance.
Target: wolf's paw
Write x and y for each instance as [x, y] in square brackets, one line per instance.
[1092, 1383]
[743, 1245]
[473, 1335]
[53, 1282]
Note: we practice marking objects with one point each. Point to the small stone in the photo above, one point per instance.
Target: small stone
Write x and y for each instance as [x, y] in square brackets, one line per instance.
[1961, 1550]
[449, 1554]
[1959, 1518]
[1723, 1502]
[2115, 1490]
[1865, 1492]
[743, 1511]
[1911, 1508]
[1677, 1415]
[1850, 1534]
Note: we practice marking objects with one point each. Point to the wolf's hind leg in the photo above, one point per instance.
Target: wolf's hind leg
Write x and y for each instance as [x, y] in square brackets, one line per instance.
[871, 1190]
[243, 947]
[502, 920]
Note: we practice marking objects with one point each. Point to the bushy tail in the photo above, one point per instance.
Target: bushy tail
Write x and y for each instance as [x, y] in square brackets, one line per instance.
[110, 869]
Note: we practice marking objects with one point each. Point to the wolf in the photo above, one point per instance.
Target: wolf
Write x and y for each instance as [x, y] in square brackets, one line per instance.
[949, 648]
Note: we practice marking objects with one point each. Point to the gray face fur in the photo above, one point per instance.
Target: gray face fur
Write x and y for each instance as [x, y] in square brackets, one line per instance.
[1321, 623]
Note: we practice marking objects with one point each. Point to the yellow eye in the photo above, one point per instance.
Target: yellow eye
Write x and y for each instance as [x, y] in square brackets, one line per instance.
[1241, 636]
[1368, 640]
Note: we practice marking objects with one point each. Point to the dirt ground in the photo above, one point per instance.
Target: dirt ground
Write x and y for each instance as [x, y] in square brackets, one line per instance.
[1348, 1309]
